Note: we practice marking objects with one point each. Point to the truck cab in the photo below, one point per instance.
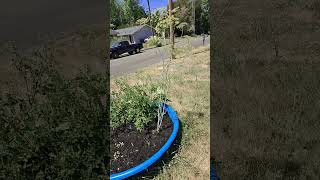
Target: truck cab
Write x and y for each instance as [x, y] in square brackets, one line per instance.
[118, 48]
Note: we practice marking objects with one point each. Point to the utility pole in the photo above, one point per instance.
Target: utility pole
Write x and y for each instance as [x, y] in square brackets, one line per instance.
[150, 22]
[171, 27]
[193, 16]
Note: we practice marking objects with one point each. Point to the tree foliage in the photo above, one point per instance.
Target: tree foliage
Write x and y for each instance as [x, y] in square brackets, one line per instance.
[201, 8]
[165, 20]
[155, 17]
[125, 13]
[129, 12]
[182, 26]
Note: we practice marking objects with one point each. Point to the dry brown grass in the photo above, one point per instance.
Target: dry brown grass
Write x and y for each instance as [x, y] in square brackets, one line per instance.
[265, 107]
[189, 93]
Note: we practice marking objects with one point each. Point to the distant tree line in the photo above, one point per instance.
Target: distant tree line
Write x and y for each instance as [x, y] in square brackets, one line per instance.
[126, 13]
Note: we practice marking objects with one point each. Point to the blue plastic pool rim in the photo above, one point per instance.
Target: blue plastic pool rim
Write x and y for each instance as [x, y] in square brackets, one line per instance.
[143, 166]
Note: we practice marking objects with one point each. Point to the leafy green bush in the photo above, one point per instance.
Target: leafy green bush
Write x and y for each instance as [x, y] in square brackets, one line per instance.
[154, 41]
[134, 104]
[56, 128]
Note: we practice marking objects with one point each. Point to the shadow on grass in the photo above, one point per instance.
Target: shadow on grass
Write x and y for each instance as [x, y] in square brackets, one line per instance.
[144, 49]
[156, 168]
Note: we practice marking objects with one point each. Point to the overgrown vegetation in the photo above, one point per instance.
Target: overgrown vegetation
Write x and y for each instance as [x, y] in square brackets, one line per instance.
[52, 127]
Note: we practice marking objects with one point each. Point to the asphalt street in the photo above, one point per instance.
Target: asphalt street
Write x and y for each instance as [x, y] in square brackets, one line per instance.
[129, 64]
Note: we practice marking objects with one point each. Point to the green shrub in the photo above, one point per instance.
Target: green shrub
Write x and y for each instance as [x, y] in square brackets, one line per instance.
[134, 104]
[154, 41]
[57, 128]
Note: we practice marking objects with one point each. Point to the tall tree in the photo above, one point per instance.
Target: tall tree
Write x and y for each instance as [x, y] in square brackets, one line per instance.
[125, 13]
[202, 17]
[116, 13]
[132, 11]
[194, 12]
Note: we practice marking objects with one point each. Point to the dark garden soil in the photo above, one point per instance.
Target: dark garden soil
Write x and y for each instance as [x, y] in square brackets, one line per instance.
[130, 147]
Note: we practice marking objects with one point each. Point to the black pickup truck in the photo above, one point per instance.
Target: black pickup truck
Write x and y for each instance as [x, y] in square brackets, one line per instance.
[118, 48]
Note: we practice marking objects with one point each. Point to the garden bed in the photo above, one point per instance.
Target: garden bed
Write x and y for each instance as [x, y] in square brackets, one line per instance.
[130, 147]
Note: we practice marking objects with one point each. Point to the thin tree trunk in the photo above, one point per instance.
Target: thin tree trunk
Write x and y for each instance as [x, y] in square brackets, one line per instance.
[171, 28]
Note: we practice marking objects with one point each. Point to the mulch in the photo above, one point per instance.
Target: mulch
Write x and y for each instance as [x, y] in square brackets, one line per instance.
[130, 147]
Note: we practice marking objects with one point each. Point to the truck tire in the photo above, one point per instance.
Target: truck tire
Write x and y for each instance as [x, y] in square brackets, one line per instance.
[131, 52]
[115, 55]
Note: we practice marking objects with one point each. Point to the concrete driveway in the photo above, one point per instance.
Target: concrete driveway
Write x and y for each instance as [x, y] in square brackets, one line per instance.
[128, 64]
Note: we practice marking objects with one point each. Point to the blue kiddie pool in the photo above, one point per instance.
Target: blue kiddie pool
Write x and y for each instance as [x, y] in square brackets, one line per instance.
[212, 175]
[141, 167]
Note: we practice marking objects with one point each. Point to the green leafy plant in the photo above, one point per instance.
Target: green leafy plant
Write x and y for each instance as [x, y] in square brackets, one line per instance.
[165, 20]
[154, 41]
[135, 104]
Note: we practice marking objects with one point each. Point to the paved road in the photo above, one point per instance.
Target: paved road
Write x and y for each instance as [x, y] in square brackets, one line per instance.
[129, 64]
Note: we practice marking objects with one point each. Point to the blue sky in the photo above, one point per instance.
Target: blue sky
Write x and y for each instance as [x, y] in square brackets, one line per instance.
[154, 4]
